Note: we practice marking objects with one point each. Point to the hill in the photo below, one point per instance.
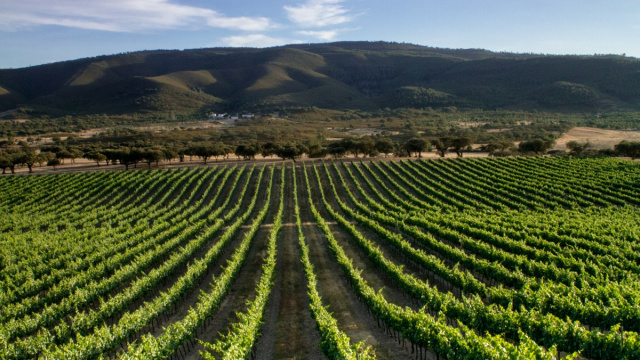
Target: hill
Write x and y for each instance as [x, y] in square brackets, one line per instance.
[341, 75]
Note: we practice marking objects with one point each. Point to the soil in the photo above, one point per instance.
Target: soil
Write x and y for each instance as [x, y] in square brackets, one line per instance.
[289, 331]
[243, 287]
[335, 290]
[188, 300]
[598, 138]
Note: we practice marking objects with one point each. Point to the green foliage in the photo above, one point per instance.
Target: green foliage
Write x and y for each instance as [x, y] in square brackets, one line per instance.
[499, 147]
[53, 163]
[536, 256]
[629, 148]
[417, 145]
[442, 145]
[172, 85]
[536, 146]
[568, 94]
[246, 151]
[461, 143]
[385, 146]
[577, 148]
[291, 151]
[417, 97]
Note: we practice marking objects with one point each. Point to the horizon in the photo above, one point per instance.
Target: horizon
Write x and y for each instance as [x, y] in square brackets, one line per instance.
[326, 43]
[36, 32]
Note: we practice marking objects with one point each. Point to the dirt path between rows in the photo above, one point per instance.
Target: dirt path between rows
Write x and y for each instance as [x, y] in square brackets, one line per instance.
[289, 331]
[352, 315]
[184, 304]
[392, 253]
[243, 287]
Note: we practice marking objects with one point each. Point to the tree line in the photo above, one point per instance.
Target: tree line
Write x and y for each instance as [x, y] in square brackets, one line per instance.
[127, 154]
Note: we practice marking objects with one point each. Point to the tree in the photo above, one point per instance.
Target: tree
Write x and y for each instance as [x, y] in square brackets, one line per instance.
[127, 156]
[350, 145]
[629, 148]
[203, 151]
[442, 145]
[336, 149]
[498, 147]
[191, 151]
[136, 155]
[27, 156]
[96, 156]
[74, 153]
[417, 145]
[5, 163]
[52, 148]
[112, 156]
[316, 150]
[53, 162]
[63, 154]
[182, 151]
[577, 148]
[536, 146]
[399, 150]
[384, 146]
[290, 151]
[6, 143]
[170, 153]
[46, 156]
[219, 149]
[366, 146]
[459, 144]
[246, 151]
[72, 138]
[152, 156]
[227, 150]
[16, 158]
[268, 149]
[42, 158]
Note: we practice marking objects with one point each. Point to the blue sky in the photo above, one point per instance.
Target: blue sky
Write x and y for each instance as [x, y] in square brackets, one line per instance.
[34, 32]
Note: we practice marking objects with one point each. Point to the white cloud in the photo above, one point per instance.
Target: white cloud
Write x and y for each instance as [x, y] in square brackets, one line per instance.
[241, 23]
[318, 13]
[255, 40]
[120, 15]
[326, 35]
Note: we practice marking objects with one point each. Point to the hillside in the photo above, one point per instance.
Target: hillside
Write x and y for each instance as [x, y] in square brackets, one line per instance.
[344, 75]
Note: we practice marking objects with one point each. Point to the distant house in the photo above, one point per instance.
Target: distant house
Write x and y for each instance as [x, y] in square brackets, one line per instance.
[217, 116]
[231, 117]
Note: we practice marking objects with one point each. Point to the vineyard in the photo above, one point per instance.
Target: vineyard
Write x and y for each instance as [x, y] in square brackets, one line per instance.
[510, 258]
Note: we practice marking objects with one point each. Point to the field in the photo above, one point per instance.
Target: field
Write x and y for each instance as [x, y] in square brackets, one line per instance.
[510, 258]
[599, 138]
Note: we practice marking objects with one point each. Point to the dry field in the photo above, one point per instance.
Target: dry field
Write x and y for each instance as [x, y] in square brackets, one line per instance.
[599, 138]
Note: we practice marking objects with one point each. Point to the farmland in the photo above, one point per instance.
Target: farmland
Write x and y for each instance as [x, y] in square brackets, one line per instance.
[508, 258]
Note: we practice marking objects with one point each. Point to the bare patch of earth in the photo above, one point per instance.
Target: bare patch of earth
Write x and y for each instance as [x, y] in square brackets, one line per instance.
[598, 138]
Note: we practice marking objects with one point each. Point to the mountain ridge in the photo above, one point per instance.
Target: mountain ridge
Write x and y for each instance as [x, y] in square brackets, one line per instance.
[339, 75]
